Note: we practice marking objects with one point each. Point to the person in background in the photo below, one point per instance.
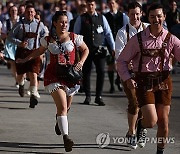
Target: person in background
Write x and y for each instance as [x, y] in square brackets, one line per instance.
[123, 36]
[10, 48]
[95, 28]
[63, 7]
[26, 35]
[81, 9]
[21, 11]
[62, 46]
[150, 52]
[5, 15]
[173, 15]
[43, 57]
[116, 20]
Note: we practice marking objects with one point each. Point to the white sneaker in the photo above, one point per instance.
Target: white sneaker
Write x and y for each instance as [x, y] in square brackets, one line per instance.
[28, 92]
[141, 135]
[16, 85]
[38, 95]
[142, 140]
[131, 141]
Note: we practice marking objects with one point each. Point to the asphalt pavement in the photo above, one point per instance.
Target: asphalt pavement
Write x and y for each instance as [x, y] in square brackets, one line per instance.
[94, 129]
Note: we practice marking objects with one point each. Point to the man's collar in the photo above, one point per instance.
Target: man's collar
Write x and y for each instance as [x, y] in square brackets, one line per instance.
[95, 14]
[30, 21]
[115, 12]
[149, 34]
[134, 27]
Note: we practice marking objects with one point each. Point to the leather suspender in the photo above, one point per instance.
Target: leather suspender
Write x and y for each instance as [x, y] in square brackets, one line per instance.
[24, 33]
[162, 54]
[164, 45]
[141, 50]
[127, 30]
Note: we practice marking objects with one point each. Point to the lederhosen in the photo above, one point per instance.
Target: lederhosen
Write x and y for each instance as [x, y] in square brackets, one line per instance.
[131, 93]
[153, 87]
[32, 65]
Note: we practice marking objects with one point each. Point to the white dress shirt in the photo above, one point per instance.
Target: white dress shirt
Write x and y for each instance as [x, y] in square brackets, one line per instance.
[121, 37]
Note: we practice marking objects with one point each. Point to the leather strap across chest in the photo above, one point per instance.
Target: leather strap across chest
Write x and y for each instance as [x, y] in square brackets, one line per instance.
[31, 34]
[152, 52]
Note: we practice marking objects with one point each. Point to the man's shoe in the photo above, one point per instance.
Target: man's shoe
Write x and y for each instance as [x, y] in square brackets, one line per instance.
[118, 84]
[87, 100]
[33, 101]
[21, 90]
[68, 143]
[131, 141]
[99, 101]
[56, 128]
[141, 134]
[112, 90]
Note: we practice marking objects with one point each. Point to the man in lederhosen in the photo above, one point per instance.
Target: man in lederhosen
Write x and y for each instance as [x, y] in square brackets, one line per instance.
[123, 36]
[26, 34]
[151, 52]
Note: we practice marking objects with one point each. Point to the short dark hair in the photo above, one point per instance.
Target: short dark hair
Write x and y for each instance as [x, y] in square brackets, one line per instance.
[89, 1]
[111, 0]
[30, 6]
[171, 1]
[134, 5]
[155, 6]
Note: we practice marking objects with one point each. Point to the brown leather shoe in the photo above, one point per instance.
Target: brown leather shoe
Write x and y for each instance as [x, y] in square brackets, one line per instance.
[21, 90]
[68, 143]
[33, 101]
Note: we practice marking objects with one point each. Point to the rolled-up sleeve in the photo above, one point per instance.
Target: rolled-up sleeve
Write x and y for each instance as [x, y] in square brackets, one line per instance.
[176, 48]
[128, 53]
[108, 33]
[120, 43]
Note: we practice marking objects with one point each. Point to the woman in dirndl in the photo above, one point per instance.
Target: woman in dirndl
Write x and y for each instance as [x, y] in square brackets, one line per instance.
[62, 46]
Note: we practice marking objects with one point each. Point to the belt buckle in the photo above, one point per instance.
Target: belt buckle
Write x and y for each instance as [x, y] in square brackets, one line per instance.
[163, 86]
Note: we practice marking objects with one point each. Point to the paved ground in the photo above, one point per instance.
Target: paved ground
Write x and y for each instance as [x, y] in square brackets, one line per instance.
[31, 131]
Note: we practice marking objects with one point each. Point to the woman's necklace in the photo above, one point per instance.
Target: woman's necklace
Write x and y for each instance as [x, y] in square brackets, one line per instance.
[59, 41]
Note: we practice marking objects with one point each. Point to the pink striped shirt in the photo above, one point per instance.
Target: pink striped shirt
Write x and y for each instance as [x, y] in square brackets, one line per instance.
[149, 64]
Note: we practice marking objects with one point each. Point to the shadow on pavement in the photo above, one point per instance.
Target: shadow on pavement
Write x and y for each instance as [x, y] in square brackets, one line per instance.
[55, 146]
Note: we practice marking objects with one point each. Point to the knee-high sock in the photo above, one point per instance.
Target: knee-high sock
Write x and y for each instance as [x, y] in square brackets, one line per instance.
[33, 90]
[21, 83]
[63, 124]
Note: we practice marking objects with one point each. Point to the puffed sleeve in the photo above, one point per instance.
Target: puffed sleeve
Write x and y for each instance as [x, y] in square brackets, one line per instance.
[78, 40]
[43, 42]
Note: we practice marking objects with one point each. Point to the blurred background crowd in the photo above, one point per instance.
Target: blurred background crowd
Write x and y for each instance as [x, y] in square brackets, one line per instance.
[45, 9]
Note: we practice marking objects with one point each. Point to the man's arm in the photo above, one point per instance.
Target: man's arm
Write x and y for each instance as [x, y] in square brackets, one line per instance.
[128, 53]
[108, 34]
[125, 19]
[120, 42]
[77, 25]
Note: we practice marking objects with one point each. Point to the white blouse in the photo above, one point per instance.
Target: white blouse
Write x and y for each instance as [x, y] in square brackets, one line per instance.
[68, 46]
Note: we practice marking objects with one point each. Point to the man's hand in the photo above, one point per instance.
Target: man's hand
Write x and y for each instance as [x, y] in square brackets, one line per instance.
[19, 60]
[131, 84]
[1, 55]
[23, 44]
[113, 53]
